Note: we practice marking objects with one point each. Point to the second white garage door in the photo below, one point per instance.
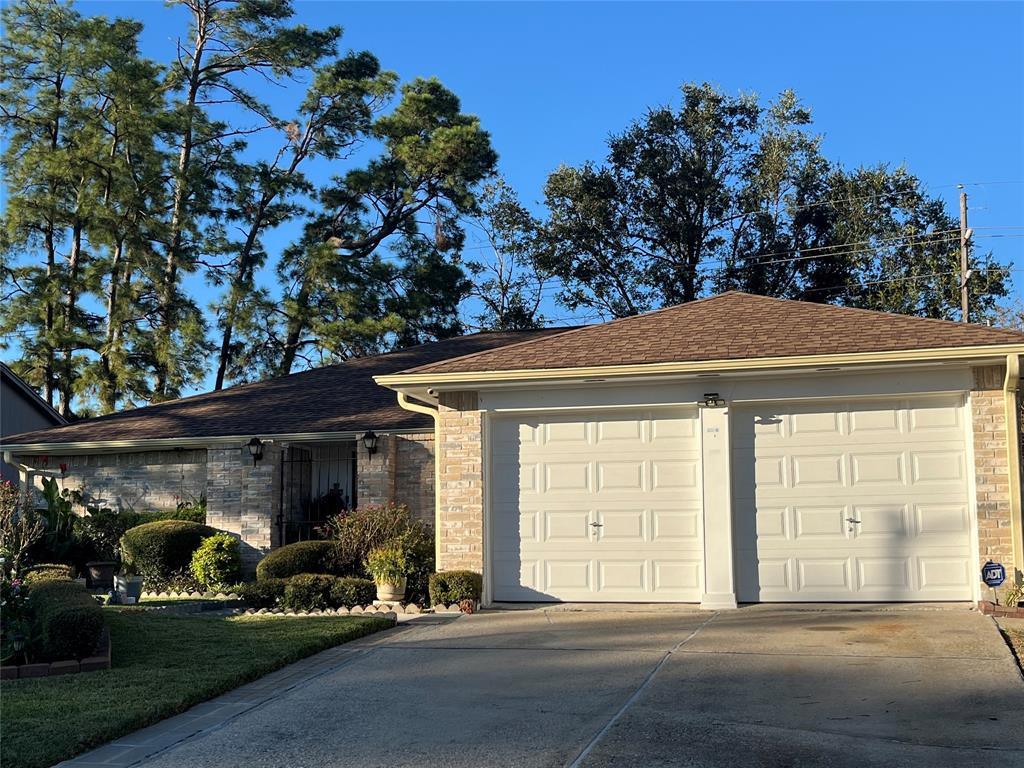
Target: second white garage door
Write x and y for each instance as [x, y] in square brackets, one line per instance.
[852, 501]
[600, 507]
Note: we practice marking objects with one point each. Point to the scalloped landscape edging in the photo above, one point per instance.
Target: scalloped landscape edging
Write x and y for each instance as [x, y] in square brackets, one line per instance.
[356, 611]
[373, 609]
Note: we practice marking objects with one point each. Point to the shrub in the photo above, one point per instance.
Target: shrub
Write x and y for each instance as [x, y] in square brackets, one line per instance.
[388, 565]
[348, 591]
[66, 620]
[367, 528]
[217, 561]
[418, 543]
[161, 552]
[455, 586]
[264, 593]
[307, 592]
[301, 557]
[316, 591]
[49, 572]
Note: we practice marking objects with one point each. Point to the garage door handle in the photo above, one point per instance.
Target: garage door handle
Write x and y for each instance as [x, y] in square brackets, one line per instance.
[852, 520]
[596, 525]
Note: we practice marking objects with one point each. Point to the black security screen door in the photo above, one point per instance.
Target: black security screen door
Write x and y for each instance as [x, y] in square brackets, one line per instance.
[317, 482]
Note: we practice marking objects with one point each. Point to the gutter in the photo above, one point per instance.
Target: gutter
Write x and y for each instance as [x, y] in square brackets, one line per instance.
[940, 354]
[408, 405]
[1011, 387]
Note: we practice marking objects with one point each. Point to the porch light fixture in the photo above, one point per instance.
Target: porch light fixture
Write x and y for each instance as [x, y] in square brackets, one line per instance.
[255, 447]
[712, 400]
[369, 439]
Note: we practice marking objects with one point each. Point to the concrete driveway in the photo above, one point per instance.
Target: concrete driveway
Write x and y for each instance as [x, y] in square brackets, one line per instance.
[762, 686]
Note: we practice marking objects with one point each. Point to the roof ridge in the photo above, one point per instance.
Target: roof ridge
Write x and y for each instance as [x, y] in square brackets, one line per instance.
[883, 313]
[578, 329]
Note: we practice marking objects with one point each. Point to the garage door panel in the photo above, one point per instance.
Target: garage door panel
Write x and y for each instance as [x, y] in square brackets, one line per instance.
[819, 522]
[676, 526]
[936, 519]
[621, 476]
[674, 576]
[896, 468]
[818, 470]
[883, 467]
[618, 513]
[668, 475]
[622, 526]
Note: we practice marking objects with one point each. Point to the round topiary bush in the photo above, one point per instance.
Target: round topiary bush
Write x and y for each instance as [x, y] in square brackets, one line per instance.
[49, 572]
[217, 561]
[301, 557]
[162, 551]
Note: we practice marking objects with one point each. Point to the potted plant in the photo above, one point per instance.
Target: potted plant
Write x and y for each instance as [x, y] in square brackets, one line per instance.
[101, 572]
[389, 567]
[129, 584]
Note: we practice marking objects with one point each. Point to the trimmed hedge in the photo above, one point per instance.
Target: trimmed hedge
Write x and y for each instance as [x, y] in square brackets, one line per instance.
[316, 591]
[449, 587]
[49, 572]
[217, 561]
[162, 551]
[301, 557]
[260, 594]
[66, 619]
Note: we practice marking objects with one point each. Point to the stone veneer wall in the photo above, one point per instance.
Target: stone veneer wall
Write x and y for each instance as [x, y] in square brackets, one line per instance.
[461, 482]
[244, 499]
[144, 481]
[991, 472]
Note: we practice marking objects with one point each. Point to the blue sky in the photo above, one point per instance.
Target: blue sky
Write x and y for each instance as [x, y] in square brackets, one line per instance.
[938, 86]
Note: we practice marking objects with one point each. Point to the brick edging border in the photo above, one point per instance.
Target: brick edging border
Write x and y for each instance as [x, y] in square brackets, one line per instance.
[991, 609]
[99, 660]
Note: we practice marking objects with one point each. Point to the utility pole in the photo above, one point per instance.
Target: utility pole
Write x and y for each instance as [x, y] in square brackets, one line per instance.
[965, 273]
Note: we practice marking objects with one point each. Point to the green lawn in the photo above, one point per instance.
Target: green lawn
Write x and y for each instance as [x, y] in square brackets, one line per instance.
[162, 664]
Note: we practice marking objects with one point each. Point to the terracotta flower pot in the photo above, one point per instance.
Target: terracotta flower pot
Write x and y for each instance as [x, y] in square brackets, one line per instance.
[391, 593]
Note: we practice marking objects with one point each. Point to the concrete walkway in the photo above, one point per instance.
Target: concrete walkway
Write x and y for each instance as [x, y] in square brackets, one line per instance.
[762, 686]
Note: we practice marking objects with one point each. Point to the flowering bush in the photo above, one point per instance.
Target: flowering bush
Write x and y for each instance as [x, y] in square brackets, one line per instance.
[20, 526]
[14, 615]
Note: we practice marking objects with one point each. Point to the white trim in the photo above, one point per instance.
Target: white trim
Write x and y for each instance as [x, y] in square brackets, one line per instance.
[972, 490]
[486, 500]
[146, 444]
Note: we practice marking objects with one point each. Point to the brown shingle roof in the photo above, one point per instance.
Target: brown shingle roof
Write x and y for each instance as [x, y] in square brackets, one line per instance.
[337, 398]
[730, 326]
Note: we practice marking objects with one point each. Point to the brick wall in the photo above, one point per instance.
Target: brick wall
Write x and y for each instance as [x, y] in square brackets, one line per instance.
[992, 474]
[144, 481]
[414, 475]
[375, 473]
[243, 499]
[402, 470]
[461, 482]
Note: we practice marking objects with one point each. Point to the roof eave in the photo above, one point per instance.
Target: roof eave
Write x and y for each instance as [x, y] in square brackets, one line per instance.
[402, 381]
[170, 443]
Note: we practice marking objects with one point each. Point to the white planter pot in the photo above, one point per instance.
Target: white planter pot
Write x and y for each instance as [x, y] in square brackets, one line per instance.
[391, 593]
[129, 586]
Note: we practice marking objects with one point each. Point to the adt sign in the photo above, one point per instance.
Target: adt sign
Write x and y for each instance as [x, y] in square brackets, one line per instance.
[993, 574]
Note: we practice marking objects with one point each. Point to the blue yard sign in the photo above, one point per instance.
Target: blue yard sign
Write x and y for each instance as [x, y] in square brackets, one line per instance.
[993, 574]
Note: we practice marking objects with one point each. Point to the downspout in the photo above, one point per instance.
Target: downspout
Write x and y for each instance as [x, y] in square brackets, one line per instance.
[1011, 386]
[24, 470]
[408, 405]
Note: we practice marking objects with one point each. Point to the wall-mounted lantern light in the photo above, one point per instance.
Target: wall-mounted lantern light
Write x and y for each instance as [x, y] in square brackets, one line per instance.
[713, 400]
[370, 441]
[255, 447]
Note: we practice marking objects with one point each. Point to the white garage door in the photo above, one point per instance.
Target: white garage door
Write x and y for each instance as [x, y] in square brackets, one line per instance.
[852, 501]
[596, 507]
